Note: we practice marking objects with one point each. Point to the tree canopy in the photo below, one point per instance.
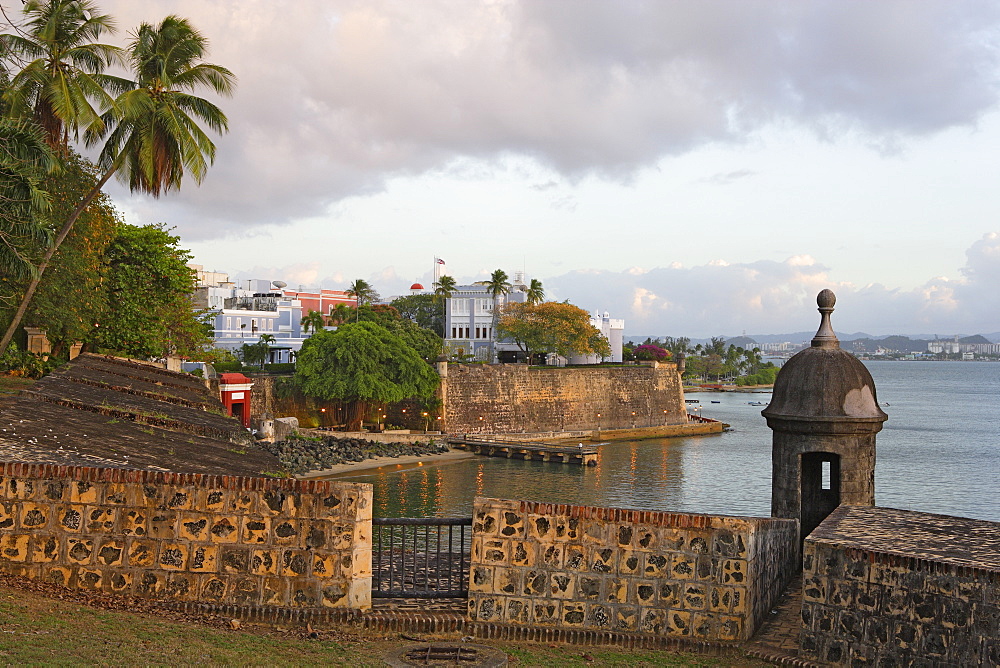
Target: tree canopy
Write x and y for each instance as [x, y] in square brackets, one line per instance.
[424, 310]
[150, 125]
[364, 364]
[551, 327]
[149, 286]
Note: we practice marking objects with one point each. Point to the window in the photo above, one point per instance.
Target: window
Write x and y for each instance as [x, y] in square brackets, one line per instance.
[477, 332]
[229, 323]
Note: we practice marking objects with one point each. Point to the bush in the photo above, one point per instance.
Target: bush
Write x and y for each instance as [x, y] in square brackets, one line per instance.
[21, 363]
[283, 367]
[228, 367]
[649, 352]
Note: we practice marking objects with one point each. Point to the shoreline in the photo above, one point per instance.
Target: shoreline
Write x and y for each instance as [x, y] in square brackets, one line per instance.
[369, 465]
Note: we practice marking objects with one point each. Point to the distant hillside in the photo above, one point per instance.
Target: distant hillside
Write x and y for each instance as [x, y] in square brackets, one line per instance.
[859, 341]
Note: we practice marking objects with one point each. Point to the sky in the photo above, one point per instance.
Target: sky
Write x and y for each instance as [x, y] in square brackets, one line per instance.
[695, 168]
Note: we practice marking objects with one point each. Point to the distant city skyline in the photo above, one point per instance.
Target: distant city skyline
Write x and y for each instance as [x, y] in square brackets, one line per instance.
[687, 169]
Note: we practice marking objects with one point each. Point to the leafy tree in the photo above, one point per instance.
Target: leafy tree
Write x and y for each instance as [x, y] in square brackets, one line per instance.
[314, 321]
[71, 297]
[152, 129]
[551, 327]
[63, 73]
[149, 286]
[426, 342]
[365, 365]
[536, 293]
[425, 310]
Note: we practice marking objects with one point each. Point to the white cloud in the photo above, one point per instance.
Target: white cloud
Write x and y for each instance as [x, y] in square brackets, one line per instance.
[775, 297]
[337, 97]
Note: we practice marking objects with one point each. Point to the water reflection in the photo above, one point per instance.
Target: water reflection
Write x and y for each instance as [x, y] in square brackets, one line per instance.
[939, 452]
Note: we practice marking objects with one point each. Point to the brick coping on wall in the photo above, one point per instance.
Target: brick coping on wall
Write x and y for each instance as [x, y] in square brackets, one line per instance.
[654, 517]
[116, 475]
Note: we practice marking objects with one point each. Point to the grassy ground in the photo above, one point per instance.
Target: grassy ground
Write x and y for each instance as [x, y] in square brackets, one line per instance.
[9, 385]
[44, 625]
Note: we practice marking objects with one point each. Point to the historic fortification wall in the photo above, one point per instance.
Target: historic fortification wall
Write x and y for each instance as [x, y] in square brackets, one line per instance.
[700, 577]
[898, 588]
[514, 398]
[222, 540]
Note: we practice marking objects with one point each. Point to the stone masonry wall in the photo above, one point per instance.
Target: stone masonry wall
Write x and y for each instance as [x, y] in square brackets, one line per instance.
[516, 398]
[226, 540]
[897, 588]
[700, 577]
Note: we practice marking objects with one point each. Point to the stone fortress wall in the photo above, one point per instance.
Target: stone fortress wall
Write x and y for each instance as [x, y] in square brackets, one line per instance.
[225, 540]
[894, 588]
[516, 398]
[700, 577]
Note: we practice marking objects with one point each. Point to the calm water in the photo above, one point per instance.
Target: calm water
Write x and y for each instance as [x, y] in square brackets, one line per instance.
[939, 452]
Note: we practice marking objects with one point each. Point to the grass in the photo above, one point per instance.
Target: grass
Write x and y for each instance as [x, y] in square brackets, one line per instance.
[44, 625]
[11, 385]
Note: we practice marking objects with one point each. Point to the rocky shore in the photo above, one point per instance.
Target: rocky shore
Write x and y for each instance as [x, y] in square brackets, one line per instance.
[301, 455]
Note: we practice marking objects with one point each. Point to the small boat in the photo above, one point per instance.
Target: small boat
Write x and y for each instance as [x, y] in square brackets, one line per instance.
[716, 401]
[691, 401]
[756, 403]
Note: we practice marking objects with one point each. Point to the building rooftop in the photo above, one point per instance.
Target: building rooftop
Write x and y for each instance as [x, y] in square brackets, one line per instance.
[109, 412]
[941, 538]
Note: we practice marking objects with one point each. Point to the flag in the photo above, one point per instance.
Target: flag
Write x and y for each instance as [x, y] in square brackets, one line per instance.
[439, 260]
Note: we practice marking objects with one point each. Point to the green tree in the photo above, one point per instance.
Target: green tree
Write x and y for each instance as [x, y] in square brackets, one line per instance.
[72, 295]
[314, 321]
[153, 133]
[365, 365]
[443, 288]
[425, 310]
[62, 77]
[536, 293]
[149, 285]
[25, 161]
[341, 313]
[551, 327]
[362, 291]
[497, 286]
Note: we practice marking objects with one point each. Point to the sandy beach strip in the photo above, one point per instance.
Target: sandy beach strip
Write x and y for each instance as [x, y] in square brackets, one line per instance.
[385, 462]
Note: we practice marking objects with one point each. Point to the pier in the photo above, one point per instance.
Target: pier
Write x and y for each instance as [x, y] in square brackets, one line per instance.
[583, 455]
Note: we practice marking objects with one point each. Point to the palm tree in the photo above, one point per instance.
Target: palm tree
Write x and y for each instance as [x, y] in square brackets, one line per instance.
[24, 160]
[154, 134]
[443, 288]
[362, 291]
[498, 286]
[535, 293]
[63, 77]
[314, 321]
[341, 313]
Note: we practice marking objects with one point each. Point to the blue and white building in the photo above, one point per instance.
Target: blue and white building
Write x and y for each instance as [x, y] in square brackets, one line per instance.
[469, 325]
[249, 309]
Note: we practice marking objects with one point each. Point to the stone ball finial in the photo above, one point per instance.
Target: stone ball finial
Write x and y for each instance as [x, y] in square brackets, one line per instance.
[825, 336]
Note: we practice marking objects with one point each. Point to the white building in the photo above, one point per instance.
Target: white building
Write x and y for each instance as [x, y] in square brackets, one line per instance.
[469, 324]
[244, 312]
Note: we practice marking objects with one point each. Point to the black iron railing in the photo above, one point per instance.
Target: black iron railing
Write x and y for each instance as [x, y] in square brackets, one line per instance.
[421, 557]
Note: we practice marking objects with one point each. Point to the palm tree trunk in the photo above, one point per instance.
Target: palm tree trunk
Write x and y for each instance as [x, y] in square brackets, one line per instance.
[47, 258]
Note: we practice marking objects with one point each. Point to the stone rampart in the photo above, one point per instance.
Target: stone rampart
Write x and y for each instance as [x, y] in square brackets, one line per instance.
[699, 577]
[516, 398]
[898, 588]
[224, 540]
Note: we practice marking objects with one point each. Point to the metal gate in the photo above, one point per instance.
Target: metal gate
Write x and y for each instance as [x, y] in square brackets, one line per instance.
[421, 557]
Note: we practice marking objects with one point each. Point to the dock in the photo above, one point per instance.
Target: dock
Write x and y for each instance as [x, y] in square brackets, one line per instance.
[582, 455]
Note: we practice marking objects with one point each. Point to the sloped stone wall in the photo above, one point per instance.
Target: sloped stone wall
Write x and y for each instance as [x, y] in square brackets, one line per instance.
[515, 398]
[701, 577]
[226, 540]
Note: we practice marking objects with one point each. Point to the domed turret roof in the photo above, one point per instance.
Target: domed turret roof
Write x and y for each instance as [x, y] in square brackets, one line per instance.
[824, 382]
[416, 286]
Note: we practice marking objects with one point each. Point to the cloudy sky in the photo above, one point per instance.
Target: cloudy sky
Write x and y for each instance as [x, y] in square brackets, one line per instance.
[697, 168]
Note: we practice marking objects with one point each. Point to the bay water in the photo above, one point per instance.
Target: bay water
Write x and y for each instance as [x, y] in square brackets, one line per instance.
[939, 452]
